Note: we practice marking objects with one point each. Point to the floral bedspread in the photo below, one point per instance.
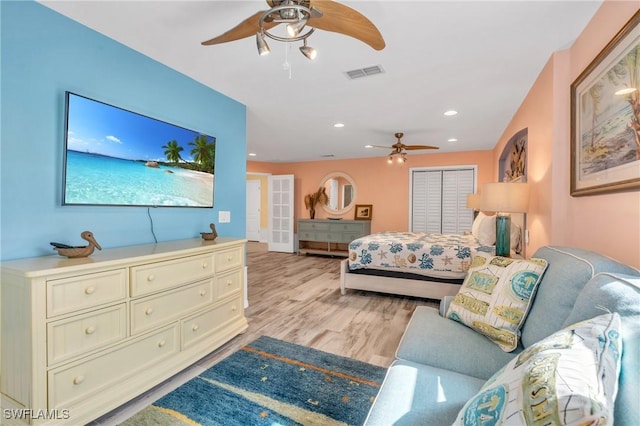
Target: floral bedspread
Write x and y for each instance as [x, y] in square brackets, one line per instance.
[435, 255]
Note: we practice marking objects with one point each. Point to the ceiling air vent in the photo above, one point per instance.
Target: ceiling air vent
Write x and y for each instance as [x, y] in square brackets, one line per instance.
[364, 72]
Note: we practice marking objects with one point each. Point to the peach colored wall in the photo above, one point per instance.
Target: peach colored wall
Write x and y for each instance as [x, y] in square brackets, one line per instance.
[385, 186]
[610, 223]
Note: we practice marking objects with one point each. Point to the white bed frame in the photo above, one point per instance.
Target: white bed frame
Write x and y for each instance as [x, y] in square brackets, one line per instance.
[399, 286]
[407, 286]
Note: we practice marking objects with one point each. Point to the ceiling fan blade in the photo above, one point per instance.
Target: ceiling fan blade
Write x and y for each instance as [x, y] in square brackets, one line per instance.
[342, 19]
[415, 147]
[381, 146]
[247, 28]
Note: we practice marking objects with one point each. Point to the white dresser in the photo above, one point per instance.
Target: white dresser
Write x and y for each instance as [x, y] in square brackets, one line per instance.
[82, 336]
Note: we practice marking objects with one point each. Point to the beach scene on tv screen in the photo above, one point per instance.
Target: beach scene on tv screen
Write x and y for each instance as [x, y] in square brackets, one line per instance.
[117, 157]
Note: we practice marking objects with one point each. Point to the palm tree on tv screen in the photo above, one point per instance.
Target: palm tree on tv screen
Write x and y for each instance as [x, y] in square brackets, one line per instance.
[204, 153]
[172, 151]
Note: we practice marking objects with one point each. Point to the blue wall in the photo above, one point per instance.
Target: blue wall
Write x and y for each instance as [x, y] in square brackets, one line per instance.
[43, 55]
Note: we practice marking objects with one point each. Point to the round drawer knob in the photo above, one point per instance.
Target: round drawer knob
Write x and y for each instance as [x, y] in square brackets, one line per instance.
[89, 290]
[229, 283]
[203, 293]
[148, 311]
[234, 308]
[151, 277]
[161, 343]
[229, 258]
[204, 265]
[89, 330]
[78, 379]
[194, 327]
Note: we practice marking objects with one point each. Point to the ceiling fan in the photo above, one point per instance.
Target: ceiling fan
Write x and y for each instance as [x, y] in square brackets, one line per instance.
[399, 149]
[301, 18]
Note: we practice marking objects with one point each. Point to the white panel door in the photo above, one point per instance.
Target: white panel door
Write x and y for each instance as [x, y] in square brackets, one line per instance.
[253, 210]
[281, 213]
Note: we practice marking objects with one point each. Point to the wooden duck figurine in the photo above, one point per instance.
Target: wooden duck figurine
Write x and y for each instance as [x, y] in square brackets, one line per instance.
[210, 235]
[78, 251]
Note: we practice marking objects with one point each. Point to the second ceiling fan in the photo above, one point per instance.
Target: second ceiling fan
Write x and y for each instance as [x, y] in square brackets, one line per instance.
[399, 149]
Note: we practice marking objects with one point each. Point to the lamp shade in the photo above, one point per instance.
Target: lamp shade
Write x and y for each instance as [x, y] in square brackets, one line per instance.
[505, 197]
[473, 201]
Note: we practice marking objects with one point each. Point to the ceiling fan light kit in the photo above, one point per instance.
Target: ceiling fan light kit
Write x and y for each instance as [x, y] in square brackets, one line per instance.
[296, 16]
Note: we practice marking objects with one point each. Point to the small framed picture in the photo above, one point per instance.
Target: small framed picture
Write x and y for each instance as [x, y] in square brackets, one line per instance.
[364, 212]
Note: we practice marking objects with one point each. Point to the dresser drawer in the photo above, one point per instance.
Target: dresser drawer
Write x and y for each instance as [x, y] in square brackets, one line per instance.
[229, 259]
[229, 283]
[203, 324]
[154, 277]
[350, 236]
[170, 305]
[83, 333]
[312, 226]
[85, 291]
[334, 237]
[308, 236]
[70, 384]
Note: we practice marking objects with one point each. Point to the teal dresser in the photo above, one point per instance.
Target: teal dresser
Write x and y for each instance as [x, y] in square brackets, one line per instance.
[331, 237]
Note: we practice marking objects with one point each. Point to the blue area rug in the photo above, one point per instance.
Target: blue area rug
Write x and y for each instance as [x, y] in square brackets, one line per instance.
[271, 382]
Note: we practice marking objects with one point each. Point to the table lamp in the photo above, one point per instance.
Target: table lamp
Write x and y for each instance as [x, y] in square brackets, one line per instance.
[473, 203]
[504, 198]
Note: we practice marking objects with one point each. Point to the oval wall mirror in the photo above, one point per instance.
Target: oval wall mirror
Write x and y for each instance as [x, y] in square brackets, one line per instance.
[341, 190]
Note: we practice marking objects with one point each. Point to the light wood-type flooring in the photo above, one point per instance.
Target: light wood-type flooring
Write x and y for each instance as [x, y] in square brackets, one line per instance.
[297, 299]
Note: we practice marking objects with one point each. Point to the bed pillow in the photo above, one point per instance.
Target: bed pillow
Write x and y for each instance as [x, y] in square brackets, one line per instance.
[495, 296]
[484, 229]
[570, 377]
[516, 239]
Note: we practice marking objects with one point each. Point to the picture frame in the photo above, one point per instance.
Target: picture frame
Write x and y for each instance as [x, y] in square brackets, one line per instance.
[363, 212]
[605, 118]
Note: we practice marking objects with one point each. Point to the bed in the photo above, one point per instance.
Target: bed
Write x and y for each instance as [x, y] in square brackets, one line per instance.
[422, 265]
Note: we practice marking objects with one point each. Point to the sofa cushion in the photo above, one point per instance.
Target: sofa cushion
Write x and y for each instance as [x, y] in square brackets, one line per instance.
[568, 271]
[439, 342]
[571, 377]
[621, 294]
[495, 296]
[415, 394]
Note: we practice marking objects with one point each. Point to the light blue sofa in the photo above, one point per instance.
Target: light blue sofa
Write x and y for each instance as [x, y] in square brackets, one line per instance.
[440, 363]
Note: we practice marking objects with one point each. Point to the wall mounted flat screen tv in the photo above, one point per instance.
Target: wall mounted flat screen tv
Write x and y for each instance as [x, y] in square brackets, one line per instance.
[116, 157]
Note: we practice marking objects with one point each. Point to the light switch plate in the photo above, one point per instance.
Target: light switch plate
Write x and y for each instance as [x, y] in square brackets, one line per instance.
[224, 217]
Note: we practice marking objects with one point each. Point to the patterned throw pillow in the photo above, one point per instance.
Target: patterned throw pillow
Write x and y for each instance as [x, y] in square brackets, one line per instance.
[495, 296]
[571, 377]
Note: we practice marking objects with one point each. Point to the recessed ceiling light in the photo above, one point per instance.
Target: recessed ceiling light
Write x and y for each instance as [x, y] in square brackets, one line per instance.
[452, 140]
[252, 154]
[368, 146]
[450, 112]
[338, 125]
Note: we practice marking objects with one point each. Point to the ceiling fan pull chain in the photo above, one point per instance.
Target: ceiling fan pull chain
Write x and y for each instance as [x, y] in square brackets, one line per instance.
[286, 65]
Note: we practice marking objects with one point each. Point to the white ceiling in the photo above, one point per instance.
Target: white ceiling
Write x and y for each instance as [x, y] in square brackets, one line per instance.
[477, 57]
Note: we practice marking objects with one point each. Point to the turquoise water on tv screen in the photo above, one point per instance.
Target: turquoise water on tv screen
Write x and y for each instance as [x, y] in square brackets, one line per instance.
[99, 179]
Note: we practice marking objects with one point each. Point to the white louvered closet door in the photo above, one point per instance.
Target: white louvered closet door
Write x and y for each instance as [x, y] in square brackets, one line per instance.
[427, 201]
[281, 213]
[439, 200]
[456, 217]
